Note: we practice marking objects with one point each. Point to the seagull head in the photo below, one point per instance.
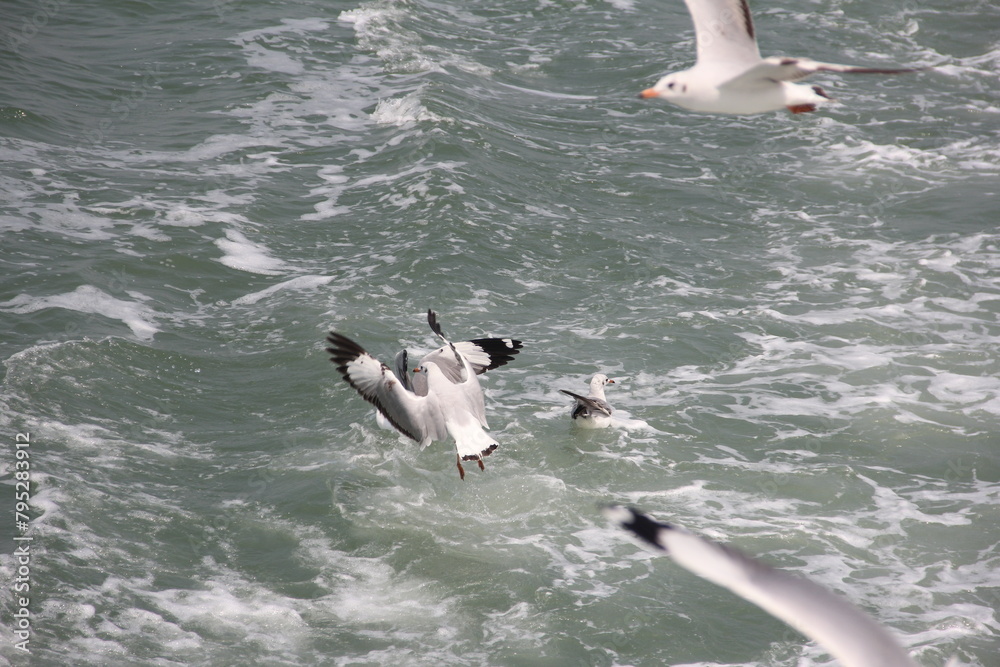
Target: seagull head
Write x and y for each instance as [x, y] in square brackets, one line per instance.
[426, 367]
[597, 384]
[670, 87]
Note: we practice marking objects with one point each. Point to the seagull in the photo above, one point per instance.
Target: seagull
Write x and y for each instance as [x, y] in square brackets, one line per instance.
[442, 399]
[850, 635]
[729, 75]
[484, 354]
[592, 411]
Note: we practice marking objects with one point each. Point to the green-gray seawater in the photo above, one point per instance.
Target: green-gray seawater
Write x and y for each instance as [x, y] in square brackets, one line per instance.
[800, 312]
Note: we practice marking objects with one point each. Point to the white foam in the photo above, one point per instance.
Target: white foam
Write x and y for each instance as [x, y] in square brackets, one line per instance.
[974, 392]
[378, 29]
[624, 5]
[270, 59]
[622, 419]
[919, 164]
[65, 218]
[254, 615]
[300, 283]
[414, 189]
[245, 255]
[89, 299]
[403, 111]
[335, 180]
[368, 591]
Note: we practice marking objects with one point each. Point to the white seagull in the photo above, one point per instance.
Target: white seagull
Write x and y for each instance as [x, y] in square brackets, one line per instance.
[850, 635]
[592, 411]
[729, 75]
[443, 398]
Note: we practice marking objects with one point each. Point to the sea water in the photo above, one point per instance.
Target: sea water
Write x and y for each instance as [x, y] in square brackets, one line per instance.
[800, 313]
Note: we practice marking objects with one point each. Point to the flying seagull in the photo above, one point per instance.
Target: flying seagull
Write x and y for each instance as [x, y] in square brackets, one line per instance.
[443, 398]
[850, 635]
[729, 75]
[592, 411]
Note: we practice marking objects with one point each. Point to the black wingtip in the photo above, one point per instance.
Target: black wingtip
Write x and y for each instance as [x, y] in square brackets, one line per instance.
[342, 351]
[432, 320]
[500, 350]
[342, 348]
[640, 525]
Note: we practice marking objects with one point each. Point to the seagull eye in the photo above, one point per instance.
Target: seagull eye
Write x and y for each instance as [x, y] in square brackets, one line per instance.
[670, 86]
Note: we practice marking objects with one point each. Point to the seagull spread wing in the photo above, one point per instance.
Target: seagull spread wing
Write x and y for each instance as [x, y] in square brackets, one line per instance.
[410, 414]
[447, 358]
[483, 354]
[776, 68]
[850, 635]
[723, 31]
[588, 405]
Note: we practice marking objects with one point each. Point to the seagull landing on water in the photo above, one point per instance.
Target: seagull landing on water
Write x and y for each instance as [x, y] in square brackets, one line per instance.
[729, 75]
[592, 411]
[443, 398]
[850, 635]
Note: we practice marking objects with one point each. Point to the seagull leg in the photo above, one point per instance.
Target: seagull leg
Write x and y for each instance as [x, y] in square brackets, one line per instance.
[461, 470]
[802, 108]
[479, 460]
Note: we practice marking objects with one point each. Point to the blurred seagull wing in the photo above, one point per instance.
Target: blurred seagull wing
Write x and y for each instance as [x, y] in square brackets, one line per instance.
[850, 635]
[723, 31]
[776, 69]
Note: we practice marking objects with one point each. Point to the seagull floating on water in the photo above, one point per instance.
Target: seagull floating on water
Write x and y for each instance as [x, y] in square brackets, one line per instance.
[443, 398]
[729, 75]
[850, 635]
[592, 411]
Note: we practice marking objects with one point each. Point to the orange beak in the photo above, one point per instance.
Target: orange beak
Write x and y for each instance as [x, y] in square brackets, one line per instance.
[646, 94]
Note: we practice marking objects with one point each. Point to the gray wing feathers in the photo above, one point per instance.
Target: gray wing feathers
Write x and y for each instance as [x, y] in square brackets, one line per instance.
[587, 406]
[401, 364]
